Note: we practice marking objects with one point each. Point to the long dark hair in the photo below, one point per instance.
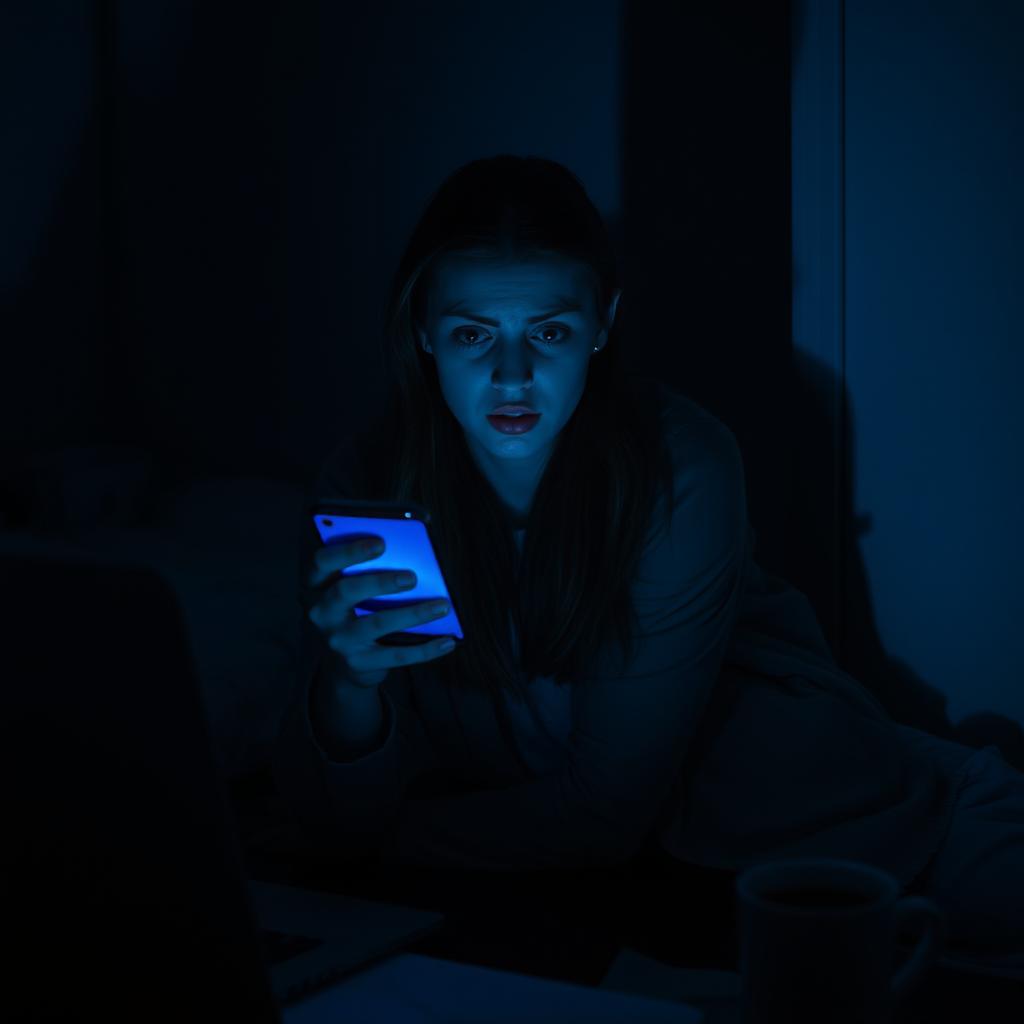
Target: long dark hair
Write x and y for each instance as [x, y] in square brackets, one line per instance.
[594, 502]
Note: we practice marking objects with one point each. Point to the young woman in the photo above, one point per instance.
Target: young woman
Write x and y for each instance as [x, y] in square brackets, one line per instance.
[630, 680]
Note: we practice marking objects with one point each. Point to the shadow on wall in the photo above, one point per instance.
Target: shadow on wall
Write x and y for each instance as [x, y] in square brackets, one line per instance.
[904, 694]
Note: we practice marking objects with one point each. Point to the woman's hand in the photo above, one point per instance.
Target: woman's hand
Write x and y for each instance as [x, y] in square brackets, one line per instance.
[353, 638]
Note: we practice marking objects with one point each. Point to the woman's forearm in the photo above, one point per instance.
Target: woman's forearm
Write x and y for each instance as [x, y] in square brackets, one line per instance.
[347, 718]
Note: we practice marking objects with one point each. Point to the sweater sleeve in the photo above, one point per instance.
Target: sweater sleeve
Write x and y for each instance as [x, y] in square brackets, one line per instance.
[344, 806]
[635, 721]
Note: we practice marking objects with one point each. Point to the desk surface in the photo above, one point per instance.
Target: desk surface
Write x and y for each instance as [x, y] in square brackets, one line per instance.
[412, 989]
[653, 992]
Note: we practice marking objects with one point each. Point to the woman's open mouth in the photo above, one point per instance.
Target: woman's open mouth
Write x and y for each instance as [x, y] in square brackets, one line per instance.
[514, 424]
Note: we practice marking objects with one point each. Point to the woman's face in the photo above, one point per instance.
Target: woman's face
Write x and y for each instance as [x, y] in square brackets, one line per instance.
[518, 332]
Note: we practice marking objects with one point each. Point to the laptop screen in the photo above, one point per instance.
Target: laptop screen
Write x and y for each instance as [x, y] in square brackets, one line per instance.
[126, 884]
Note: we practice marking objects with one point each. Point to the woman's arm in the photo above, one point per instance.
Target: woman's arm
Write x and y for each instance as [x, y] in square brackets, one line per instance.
[344, 758]
[346, 719]
[348, 797]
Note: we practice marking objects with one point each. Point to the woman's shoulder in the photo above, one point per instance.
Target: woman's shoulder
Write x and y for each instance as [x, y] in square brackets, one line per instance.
[697, 439]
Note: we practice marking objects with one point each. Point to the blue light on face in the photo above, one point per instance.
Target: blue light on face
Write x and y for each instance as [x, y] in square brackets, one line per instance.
[562, 329]
[518, 331]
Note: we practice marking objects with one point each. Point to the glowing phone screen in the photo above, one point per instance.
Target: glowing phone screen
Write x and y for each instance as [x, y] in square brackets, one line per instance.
[403, 528]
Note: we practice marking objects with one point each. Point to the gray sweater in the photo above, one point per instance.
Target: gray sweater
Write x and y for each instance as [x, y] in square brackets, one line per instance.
[733, 737]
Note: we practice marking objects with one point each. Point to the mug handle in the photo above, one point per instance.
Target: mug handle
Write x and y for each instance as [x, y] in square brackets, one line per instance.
[926, 949]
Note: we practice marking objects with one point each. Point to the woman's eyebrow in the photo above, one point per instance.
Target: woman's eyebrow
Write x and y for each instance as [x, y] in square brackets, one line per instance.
[568, 307]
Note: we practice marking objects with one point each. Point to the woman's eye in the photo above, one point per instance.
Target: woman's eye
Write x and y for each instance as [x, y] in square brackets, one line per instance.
[459, 333]
[556, 328]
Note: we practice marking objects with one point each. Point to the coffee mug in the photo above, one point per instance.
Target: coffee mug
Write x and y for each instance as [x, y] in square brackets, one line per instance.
[817, 942]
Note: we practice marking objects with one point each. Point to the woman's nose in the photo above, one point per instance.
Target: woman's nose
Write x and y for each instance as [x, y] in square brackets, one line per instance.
[512, 366]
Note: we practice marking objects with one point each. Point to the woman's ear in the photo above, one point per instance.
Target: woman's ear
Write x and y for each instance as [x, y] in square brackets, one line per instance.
[421, 337]
[613, 308]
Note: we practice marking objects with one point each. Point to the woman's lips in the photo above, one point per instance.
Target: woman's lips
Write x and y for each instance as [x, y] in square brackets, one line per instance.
[514, 424]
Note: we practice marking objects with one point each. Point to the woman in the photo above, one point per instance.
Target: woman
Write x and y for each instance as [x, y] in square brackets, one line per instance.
[631, 684]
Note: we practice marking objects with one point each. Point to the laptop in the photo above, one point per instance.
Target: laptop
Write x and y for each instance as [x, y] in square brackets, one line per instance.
[127, 895]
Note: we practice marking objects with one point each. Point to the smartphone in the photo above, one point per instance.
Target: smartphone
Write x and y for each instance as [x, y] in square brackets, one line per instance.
[404, 528]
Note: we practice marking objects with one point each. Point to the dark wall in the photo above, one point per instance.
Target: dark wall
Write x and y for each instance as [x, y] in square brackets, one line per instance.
[52, 377]
[196, 159]
[707, 227]
[934, 277]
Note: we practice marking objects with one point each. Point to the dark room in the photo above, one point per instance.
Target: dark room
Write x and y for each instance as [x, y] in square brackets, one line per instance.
[502, 510]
